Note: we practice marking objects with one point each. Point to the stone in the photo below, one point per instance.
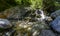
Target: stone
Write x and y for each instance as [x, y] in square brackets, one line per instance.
[30, 28]
[9, 33]
[55, 24]
[15, 12]
[4, 24]
[55, 14]
[47, 33]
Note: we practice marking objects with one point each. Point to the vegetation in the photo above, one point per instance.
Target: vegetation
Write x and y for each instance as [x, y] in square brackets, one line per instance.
[50, 5]
[5, 4]
[47, 5]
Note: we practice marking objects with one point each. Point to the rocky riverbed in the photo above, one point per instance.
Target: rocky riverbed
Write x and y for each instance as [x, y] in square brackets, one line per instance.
[27, 22]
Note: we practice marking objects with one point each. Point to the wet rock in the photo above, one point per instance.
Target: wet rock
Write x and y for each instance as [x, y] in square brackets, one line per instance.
[30, 28]
[15, 12]
[34, 25]
[9, 33]
[56, 24]
[6, 34]
[2, 15]
[55, 14]
[47, 33]
[1, 34]
[4, 24]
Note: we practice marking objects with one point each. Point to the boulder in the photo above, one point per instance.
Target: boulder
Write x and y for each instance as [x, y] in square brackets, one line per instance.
[55, 14]
[55, 24]
[16, 12]
[47, 33]
[4, 24]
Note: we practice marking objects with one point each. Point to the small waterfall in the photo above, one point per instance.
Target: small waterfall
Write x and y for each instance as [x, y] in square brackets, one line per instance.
[43, 17]
[41, 13]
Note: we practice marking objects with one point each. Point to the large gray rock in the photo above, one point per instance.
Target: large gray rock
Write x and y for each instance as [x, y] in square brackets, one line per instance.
[55, 14]
[47, 33]
[16, 12]
[4, 24]
[56, 24]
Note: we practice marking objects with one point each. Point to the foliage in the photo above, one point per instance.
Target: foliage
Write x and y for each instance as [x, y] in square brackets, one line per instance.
[48, 6]
[36, 4]
[32, 3]
[57, 4]
[23, 2]
[5, 4]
